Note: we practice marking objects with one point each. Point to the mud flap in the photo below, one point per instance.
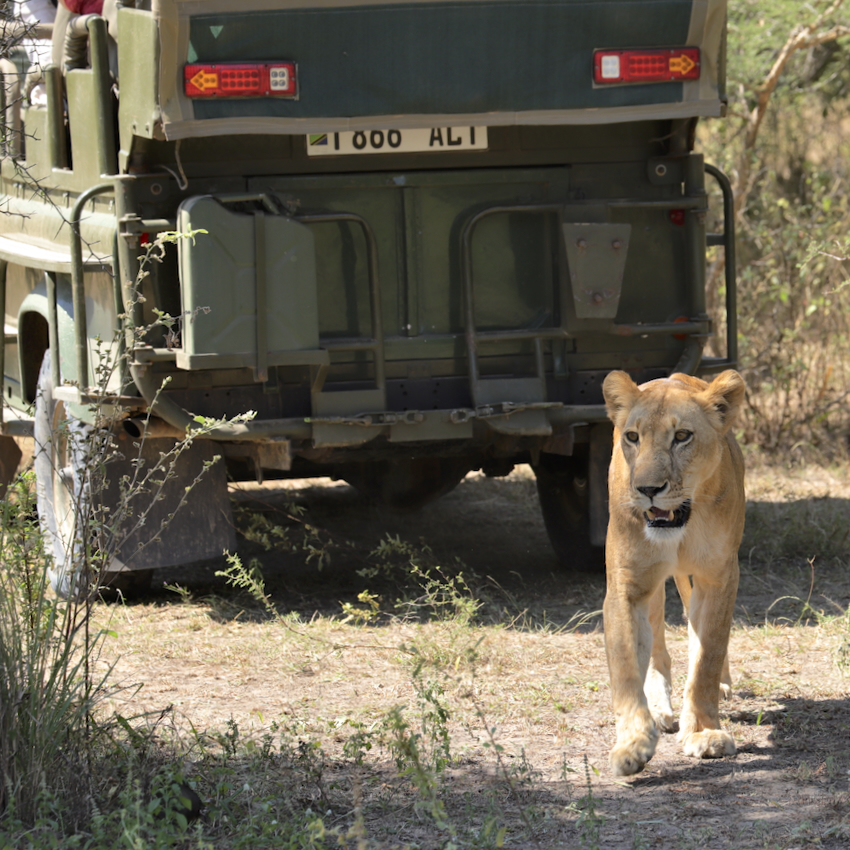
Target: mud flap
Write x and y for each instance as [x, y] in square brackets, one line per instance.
[148, 537]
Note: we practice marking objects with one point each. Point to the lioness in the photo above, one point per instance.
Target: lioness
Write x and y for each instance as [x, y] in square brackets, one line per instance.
[676, 493]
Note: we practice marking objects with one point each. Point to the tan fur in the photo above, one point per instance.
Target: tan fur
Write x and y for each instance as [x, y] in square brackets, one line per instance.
[672, 438]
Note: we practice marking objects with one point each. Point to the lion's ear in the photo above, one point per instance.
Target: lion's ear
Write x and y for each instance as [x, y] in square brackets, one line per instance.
[723, 398]
[620, 392]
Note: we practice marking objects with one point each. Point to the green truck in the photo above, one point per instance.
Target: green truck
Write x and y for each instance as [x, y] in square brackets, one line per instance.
[411, 238]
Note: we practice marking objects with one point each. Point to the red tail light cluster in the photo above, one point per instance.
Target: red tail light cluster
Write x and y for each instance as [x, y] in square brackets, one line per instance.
[241, 79]
[646, 66]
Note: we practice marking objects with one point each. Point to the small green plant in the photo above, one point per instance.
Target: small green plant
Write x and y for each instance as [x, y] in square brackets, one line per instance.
[393, 555]
[291, 533]
[360, 742]
[405, 746]
[368, 613]
[183, 593]
[248, 579]
[434, 719]
[589, 819]
[431, 745]
[439, 596]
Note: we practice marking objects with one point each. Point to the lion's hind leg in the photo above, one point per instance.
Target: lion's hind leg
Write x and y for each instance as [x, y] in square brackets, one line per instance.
[683, 585]
[709, 624]
[658, 685]
[726, 679]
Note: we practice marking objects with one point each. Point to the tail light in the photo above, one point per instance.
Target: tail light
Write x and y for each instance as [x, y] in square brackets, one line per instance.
[241, 79]
[646, 66]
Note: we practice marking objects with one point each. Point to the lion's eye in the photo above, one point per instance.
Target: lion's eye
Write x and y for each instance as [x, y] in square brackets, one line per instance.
[682, 436]
[632, 436]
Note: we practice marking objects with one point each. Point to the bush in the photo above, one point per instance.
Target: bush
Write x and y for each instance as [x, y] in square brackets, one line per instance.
[791, 179]
[48, 685]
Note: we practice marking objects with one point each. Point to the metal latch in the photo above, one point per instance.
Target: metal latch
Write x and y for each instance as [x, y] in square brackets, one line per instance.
[506, 408]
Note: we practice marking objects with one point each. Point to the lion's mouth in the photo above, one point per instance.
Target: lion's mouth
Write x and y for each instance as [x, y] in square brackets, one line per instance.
[660, 518]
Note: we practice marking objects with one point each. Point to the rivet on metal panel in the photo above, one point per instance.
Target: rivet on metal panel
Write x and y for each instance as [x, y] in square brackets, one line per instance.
[616, 244]
[581, 243]
[661, 169]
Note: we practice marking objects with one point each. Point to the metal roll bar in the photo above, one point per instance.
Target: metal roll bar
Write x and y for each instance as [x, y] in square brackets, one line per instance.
[726, 240]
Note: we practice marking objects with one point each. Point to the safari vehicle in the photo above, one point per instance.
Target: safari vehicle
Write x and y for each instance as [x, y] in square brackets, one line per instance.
[415, 237]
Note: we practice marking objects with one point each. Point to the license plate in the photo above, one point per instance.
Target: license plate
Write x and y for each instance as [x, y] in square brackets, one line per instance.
[437, 139]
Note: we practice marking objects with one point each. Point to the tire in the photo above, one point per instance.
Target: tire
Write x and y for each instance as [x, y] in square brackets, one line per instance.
[67, 464]
[131, 584]
[406, 484]
[62, 490]
[564, 493]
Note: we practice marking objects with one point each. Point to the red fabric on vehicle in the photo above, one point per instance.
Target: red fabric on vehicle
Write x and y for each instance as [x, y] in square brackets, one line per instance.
[84, 7]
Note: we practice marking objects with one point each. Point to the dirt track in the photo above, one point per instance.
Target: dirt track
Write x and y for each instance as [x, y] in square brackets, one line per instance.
[544, 691]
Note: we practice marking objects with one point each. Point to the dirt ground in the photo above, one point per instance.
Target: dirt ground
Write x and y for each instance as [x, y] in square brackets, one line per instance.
[530, 679]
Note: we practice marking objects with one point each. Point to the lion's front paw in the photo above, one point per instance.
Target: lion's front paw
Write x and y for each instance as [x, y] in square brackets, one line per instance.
[708, 744]
[632, 756]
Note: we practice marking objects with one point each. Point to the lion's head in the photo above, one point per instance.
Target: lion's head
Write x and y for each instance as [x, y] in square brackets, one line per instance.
[671, 435]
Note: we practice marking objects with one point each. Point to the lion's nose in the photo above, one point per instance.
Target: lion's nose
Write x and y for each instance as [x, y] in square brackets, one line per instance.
[651, 492]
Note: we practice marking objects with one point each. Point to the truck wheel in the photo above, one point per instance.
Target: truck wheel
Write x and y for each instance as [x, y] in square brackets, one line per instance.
[564, 492]
[406, 484]
[65, 453]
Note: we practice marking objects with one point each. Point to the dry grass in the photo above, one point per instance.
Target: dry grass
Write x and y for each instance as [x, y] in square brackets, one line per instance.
[521, 681]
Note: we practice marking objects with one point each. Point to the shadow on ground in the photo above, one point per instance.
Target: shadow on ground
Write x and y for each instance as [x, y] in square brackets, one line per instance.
[492, 531]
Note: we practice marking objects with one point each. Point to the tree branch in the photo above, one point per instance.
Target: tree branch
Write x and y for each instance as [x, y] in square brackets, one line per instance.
[801, 39]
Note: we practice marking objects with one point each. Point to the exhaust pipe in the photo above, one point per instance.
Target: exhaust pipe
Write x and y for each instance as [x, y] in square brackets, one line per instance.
[151, 428]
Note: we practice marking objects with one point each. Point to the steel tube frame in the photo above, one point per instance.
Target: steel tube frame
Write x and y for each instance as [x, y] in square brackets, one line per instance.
[727, 241]
[78, 291]
[697, 329]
